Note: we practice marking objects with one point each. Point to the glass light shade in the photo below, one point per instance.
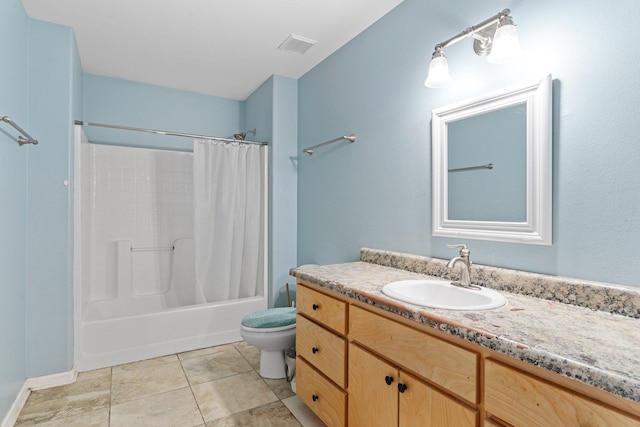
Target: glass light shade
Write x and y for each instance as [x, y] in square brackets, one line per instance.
[438, 73]
[506, 46]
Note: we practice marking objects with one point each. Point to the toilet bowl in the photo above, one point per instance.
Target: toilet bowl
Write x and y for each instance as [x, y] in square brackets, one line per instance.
[272, 331]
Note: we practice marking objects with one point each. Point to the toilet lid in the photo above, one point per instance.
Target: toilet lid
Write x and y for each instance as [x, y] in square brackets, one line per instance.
[271, 318]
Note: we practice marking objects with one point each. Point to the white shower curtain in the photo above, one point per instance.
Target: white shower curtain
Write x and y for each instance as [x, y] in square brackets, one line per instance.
[228, 191]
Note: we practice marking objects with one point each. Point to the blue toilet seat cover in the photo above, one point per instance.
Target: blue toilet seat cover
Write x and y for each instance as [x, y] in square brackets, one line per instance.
[271, 318]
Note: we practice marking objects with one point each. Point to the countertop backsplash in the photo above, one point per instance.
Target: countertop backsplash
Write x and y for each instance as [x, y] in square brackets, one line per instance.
[599, 296]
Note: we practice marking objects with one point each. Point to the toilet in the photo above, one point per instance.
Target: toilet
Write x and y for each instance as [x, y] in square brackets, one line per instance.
[272, 331]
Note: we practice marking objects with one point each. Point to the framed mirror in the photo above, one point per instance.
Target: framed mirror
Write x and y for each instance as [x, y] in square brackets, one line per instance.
[491, 165]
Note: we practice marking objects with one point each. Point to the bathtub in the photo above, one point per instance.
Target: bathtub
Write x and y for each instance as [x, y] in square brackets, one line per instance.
[118, 340]
[135, 295]
[146, 320]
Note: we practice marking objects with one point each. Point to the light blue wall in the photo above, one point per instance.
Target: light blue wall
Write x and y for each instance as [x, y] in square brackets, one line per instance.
[53, 75]
[126, 103]
[284, 177]
[272, 110]
[13, 202]
[42, 69]
[258, 112]
[377, 191]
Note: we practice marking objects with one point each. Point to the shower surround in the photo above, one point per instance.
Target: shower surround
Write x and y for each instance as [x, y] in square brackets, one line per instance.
[134, 278]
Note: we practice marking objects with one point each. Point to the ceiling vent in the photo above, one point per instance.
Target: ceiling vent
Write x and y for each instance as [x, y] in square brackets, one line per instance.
[296, 44]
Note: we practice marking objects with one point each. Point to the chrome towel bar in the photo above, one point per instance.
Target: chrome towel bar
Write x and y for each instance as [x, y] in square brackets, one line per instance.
[351, 138]
[21, 139]
[156, 249]
[487, 166]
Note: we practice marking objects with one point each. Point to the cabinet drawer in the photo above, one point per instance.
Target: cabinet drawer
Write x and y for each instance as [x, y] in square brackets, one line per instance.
[323, 349]
[322, 308]
[329, 403]
[523, 400]
[454, 368]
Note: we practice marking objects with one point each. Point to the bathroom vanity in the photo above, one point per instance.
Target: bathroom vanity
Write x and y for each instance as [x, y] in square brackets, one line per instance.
[366, 359]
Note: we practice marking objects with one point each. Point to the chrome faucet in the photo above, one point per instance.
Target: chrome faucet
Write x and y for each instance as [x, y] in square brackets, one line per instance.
[465, 266]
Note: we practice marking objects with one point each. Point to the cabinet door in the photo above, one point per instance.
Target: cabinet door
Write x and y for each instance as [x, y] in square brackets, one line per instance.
[372, 402]
[421, 405]
[523, 400]
[449, 366]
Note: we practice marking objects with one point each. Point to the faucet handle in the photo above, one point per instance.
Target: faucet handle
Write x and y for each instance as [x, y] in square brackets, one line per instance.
[461, 245]
[464, 252]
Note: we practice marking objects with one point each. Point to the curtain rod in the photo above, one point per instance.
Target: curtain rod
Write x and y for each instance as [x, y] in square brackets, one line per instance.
[165, 132]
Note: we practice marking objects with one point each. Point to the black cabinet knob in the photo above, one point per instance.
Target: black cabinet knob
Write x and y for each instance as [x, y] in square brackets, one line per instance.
[402, 387]
[314, 350]
[314, 397]
[315, 307]
[388, 379]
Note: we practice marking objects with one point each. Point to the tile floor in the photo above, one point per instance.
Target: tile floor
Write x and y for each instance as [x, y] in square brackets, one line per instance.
[216, 386]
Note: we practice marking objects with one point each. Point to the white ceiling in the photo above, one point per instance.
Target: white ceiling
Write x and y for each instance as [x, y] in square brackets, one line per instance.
[225, 48]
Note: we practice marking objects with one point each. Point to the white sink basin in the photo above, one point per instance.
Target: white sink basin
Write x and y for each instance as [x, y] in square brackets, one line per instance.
[442, 294]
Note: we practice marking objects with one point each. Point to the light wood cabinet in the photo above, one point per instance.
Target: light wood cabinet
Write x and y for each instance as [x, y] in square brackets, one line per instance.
[326, 400]
[373, 390]
[381, 394]
[323, 309]
[451, 367]
[523, 400]
[352, 358]
[321, 349]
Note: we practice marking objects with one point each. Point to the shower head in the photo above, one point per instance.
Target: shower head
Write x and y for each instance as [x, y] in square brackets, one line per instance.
[242, 135]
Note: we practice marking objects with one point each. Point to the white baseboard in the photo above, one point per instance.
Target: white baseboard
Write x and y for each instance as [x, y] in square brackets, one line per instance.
[36, 383]
[12, 416]
[48, 381]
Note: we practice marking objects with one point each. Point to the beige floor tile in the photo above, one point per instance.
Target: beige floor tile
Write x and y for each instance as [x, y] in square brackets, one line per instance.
[250, 353]
[90, 392]
[175, 408]
[227, 396]
[205, 351]
[214, 366]
[270, 415]
[281, 387]
[96, 373]
[156, 392]
[98, 418]
[147, 378]
[145, 363]
[302, 412]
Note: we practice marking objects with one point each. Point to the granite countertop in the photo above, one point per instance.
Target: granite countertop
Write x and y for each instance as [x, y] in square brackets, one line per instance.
[599, 348]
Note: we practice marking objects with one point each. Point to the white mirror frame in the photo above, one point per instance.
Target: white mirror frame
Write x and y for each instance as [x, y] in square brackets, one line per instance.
[537, 228]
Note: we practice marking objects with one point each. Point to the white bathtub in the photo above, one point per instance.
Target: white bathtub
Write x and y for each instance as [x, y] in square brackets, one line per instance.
[121, 340]
[137, 325]
[145, 321]
[132, 300]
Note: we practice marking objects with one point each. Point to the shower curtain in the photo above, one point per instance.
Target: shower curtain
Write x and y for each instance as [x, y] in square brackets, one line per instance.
[228, 191]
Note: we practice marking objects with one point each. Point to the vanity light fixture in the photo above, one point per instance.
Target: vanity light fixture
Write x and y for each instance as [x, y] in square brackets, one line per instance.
[496, 38]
